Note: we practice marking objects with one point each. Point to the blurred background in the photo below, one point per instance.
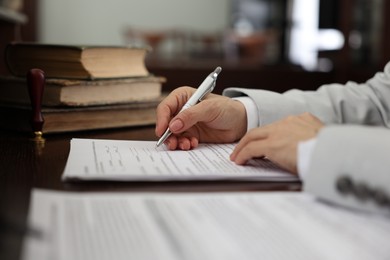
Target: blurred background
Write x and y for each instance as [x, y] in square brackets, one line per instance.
[271, 44]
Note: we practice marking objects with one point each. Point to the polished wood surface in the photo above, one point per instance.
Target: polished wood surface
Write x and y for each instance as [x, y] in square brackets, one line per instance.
[27, 163]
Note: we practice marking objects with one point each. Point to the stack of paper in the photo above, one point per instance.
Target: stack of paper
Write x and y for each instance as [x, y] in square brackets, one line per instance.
[199, 226]
[94, 159]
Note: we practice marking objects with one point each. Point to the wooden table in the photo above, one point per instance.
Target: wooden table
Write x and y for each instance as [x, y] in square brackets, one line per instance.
[26, 164]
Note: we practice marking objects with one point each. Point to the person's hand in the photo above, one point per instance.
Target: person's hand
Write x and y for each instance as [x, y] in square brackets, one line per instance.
[277, 141]
[215, 119]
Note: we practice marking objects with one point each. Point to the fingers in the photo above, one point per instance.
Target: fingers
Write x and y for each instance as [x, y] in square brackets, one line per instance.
[202, 112]
[254, 149]
[181, 142]
[170, 106]
[163, 116]
[187, 143]
[311, 120]
[249, 146]
[278, 141]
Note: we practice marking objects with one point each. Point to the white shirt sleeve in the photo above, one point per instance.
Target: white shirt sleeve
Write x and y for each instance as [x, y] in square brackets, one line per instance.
[252, 112]
[304, 153]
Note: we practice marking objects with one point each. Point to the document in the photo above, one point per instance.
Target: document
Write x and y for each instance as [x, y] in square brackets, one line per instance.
[276, 225]
[116, 160]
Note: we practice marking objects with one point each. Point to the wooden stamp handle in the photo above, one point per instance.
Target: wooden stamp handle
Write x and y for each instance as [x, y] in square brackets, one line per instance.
[36, 83]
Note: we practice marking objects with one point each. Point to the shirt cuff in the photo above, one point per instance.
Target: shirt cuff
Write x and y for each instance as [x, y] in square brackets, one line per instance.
[252, 112]
[305, 151]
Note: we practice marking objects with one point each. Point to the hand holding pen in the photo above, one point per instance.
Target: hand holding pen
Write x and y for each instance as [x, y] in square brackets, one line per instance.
[215, 119]
[206, 87]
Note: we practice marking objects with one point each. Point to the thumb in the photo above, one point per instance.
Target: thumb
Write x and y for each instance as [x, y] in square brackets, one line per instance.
[189, 117]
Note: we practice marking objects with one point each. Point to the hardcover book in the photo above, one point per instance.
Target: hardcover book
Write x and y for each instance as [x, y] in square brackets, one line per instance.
[76, 62]
[69, 119]
[66, 92]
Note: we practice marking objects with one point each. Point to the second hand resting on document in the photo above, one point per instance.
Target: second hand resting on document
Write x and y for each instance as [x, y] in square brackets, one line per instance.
[206, 87]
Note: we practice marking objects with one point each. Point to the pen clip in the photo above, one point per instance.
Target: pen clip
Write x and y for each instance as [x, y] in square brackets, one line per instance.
[208, 91]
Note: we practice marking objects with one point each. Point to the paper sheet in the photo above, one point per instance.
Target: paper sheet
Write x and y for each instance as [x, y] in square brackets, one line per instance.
[98, 159]
[199, 226]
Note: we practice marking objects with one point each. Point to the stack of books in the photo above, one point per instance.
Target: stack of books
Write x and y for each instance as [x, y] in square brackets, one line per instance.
[86, 87]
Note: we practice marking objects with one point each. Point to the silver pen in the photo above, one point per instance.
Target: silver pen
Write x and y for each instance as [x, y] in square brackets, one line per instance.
[206, 87]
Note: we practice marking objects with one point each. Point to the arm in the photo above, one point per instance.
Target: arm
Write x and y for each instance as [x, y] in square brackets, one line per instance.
[350, 166]
[367, 103]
